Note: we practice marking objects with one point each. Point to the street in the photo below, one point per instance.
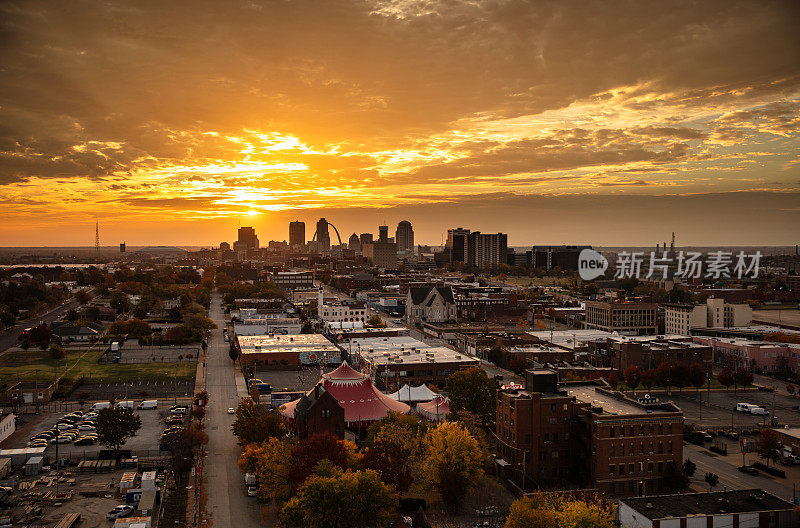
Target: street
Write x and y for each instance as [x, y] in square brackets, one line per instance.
[228, 502]
[10, 337]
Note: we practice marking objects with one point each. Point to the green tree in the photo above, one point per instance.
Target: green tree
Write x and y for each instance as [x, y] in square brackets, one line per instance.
[119, 301]
[335, 498]
[453, 460]
[472, 391]
[712, 479]
[115, 425]
[256, 423]
[376, 321]
[689, 467]
[57, 352]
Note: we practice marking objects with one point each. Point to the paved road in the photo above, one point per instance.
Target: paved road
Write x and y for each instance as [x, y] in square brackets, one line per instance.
[227, 500]
[10, 337]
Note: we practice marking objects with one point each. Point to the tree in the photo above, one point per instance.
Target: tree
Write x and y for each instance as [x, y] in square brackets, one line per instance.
[72, 315]
[649, 378]
[725, 378]
[176, 335]
[689, 467]
[7, 318]
[397, 443]
[376, 321]
[453, 460]
[269, 462]
[119, 301]
[40, 335]
[57, 352]
[769, 445]
[115, 425]
[712, 479]
[495, 355]
[308, 453]
[675, 479]
[233, 351]
[632, 377]
[697, 375]
[680, 375]
[83, 297]
[473, 391]
[137, 328]
[256, 423]
[334, 498]
[613, 380]
[561, 512]
[307, 328]
[664, 373]
[743, 377]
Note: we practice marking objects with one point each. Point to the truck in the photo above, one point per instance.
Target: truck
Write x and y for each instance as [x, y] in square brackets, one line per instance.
[745, 407]
[99, 405]
[759, 411]
[128, 404]
[148, 404]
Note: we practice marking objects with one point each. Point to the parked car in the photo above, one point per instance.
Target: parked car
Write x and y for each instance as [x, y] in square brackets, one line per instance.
[231, 410]
[123, 510]
[749, 470]
[252, 491]
[86, 427]
[703, 436]
[733, 435]
[85, 440]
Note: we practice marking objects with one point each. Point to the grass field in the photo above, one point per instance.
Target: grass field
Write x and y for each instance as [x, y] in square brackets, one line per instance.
[37, 365]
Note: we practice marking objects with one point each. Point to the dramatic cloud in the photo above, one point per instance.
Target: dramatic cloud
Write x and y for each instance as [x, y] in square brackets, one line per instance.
[206, 111]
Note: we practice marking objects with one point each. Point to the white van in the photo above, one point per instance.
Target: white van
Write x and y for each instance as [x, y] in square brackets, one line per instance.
[99, 405]
[249, 479]
[127, 404]
[745, 407]
[148, 404]
[760, 411]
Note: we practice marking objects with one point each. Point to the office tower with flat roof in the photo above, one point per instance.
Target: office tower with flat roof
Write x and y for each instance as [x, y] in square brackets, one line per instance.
[354, 243]
[365, 238]
[323, 238]
[404, 237]
[383, 233]
[247, 239]
[297, 233]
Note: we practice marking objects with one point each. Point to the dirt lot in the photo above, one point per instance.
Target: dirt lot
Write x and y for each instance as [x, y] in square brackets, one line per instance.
[92, 509]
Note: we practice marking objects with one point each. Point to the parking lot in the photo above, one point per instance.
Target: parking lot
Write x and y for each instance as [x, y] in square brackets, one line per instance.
[291, 380]
[131, 352]
[145, 442]
[718, 409]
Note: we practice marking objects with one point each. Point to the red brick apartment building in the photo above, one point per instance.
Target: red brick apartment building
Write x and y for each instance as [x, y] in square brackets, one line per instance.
[581, 434]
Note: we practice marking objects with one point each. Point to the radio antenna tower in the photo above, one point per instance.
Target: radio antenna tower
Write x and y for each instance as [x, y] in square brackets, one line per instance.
[96, 235]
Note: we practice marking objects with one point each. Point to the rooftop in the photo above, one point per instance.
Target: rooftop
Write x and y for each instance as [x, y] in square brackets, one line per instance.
[285, 343]
[386, 343]
[408, 356]
[610, 404]
[710, 503]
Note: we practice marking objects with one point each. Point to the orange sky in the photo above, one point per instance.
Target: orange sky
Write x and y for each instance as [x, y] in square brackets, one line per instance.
[606, 123]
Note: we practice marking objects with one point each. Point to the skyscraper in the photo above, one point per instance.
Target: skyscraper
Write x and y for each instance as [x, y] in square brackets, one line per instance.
[383, 233]
[323, 237]
[247, 239]
[365, 238]
[404, 236]
[457, 244]
[354, 243]
[297, 233]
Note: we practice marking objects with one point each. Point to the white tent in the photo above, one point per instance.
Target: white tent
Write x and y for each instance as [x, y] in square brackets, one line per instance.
[408, 393]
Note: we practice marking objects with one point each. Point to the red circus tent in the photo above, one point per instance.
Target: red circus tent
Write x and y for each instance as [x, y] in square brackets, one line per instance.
[435, 410]
[362, 402]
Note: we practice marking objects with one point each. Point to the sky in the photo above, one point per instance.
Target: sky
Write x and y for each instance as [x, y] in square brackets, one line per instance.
[604, 123]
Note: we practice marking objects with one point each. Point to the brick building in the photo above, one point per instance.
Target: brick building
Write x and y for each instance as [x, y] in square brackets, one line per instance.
[647, 352]
[631, 318]
[585, 435]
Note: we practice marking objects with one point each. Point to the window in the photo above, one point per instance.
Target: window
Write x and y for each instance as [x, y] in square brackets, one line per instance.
[555, 454]
[660, 448]
[552, 407]
[611, 451]
[612, 432]
[660, 468]
[611, 470]
[621, 469]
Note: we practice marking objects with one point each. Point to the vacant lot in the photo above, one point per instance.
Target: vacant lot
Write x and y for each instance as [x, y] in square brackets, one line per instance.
[29, 365]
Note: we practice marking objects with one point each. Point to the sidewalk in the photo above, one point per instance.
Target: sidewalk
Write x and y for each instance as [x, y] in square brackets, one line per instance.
[241, 386]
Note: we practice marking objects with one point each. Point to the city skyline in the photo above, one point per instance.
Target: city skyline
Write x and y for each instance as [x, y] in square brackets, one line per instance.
[612, 124]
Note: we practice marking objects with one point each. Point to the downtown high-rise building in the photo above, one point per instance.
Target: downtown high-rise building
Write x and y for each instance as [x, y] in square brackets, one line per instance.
[322, 235]
[354, 243]
[365, 238]
[404, 237]
[484, 250]
[247, 239]
[297, 234]
[383, 233]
